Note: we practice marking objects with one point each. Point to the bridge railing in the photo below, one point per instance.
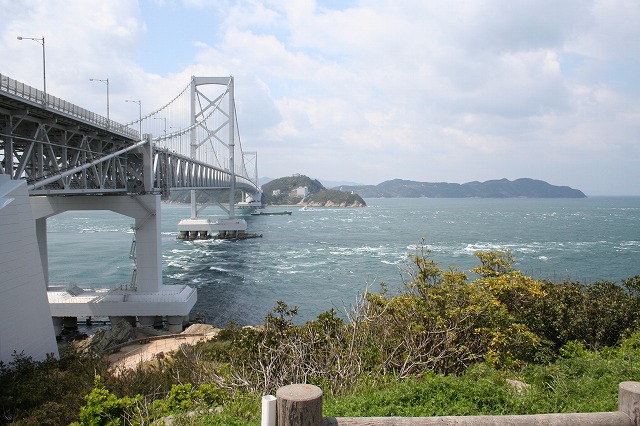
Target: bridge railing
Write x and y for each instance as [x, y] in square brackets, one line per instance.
[38, 97]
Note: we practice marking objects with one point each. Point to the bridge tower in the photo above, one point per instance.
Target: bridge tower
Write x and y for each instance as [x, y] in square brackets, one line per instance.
[195, 227]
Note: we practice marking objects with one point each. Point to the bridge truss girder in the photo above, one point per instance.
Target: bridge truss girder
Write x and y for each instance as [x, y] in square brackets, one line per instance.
[175, 171]
[37, 145]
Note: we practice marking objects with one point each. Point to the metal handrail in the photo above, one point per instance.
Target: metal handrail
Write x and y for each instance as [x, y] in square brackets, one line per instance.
[38, 97]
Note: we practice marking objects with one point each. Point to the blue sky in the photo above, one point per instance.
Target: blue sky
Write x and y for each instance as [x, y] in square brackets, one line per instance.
[365, 91]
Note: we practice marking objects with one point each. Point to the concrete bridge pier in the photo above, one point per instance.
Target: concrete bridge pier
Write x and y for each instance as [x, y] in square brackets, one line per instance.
[175, 323]
[147, 298]
[150, 321]
[147, 321]
[148, 244]
[24, 312]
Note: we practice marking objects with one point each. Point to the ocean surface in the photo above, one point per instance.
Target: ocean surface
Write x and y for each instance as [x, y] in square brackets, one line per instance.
[323, 258]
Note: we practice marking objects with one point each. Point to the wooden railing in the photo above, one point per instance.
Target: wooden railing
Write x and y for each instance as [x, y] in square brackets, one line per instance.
[301, 405]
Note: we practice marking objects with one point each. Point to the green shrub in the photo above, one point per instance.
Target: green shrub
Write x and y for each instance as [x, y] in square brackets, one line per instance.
[441, 321]
[30, 390]
[183, 397]
[104, 408]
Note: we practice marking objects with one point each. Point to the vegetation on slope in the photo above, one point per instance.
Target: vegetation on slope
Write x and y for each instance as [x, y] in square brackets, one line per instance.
[444, 345]
[286, 185]
[318, 195]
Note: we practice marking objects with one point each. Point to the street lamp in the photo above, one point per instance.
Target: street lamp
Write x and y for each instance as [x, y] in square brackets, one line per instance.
[44, 64]
[140, 110]
[106, 80]
[165, 123]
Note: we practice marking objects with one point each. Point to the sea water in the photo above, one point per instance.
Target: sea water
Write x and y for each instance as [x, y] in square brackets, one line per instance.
[323, 258]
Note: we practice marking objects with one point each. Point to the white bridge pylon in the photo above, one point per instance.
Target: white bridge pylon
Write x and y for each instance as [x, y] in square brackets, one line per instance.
[205, 133]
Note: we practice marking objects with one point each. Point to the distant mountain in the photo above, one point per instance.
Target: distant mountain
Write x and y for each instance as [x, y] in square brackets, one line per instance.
[336, 183]
[502, 188]
[284, 191]
[263, 180]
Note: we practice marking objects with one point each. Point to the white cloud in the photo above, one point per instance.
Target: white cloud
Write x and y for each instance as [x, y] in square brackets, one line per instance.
[613, 32]
[367, 91]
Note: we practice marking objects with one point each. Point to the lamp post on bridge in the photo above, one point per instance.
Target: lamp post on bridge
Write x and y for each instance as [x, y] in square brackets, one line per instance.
[106, 80]
[44, 64]
[140, 117]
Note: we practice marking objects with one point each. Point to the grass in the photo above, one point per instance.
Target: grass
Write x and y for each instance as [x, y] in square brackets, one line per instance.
[583, 382]
[243, 410]
[588, 383]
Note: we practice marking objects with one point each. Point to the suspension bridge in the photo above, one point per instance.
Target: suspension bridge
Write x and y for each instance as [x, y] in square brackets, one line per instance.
[56, 157]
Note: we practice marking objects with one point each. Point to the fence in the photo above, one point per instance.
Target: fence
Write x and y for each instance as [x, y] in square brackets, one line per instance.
[39, 98]
[301, 405]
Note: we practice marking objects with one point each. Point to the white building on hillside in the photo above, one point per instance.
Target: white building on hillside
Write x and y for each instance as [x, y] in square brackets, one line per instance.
[302, 191]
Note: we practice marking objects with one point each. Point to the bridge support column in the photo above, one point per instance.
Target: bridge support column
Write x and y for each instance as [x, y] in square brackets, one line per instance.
[148, 245]
[146, 321]
[41, 237]
[175, 323]
[24, 311]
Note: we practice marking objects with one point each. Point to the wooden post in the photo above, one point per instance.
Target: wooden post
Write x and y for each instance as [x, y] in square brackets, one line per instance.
[299, 405]
[629, 400]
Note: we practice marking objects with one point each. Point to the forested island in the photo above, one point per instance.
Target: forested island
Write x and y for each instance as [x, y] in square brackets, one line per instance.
[302, 190]
[501, 188]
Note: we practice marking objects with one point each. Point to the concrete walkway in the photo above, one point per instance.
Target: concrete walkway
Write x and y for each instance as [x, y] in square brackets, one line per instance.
[130, 356]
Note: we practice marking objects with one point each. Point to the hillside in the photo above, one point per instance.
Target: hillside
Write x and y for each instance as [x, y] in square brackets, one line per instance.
[284, 191]
[502, 188]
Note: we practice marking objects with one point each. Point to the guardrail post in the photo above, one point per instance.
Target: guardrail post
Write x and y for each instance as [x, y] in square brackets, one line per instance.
[629, 400]
[299, 405]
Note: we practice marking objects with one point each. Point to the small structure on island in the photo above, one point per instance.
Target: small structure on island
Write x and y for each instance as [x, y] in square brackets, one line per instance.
[301, 191]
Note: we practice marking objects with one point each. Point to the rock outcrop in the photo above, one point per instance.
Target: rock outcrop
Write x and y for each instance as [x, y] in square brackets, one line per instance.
[119, 333]
[330, 203]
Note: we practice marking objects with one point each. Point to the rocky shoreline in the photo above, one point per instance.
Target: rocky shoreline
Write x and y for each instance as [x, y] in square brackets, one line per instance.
[331, 203]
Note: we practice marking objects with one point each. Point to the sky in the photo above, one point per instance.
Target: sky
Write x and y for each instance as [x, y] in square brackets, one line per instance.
[367, 91]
